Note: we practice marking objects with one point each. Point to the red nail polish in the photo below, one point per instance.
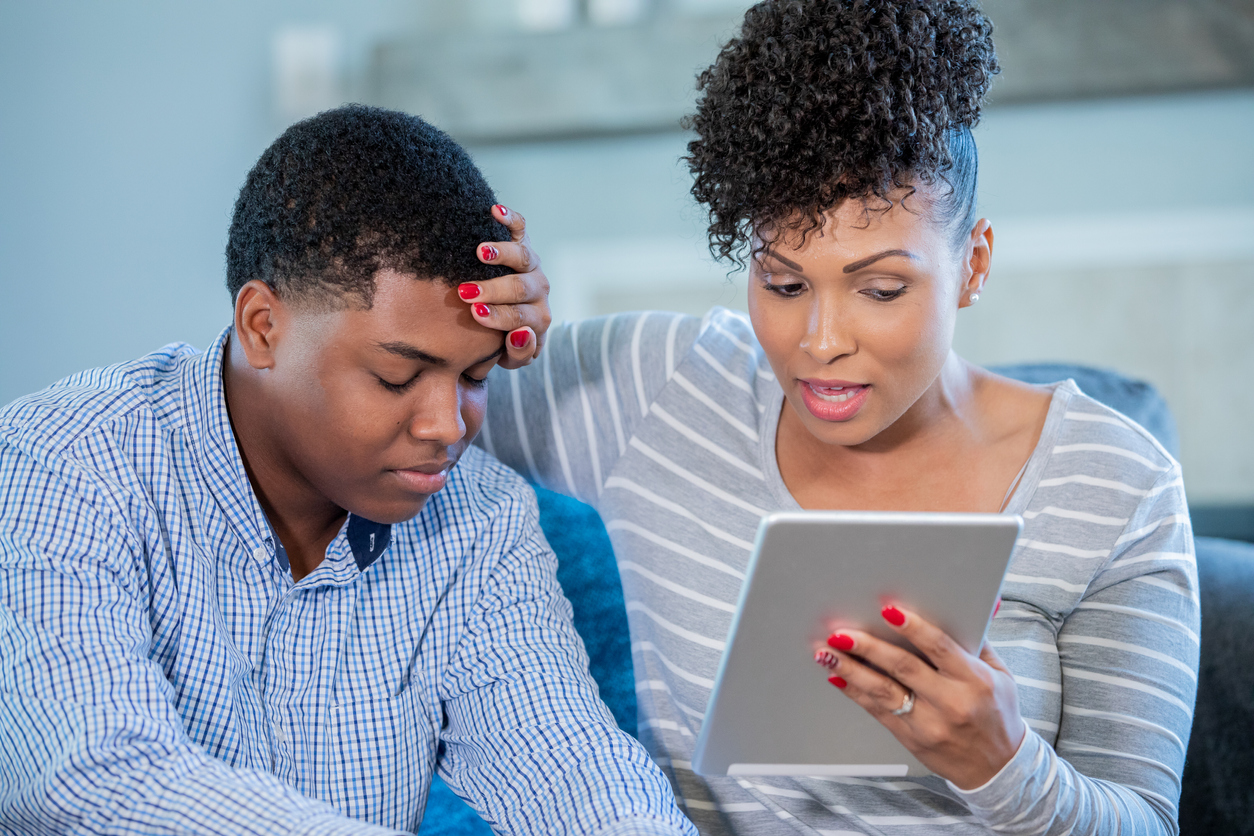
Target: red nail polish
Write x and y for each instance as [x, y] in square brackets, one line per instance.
[468, 291]
[482, 310]
[838, 681]
[826, 658]
[893, 616]
[504, 212]
[488, 252]
[518, 338]
[840, 641]
[998, 607]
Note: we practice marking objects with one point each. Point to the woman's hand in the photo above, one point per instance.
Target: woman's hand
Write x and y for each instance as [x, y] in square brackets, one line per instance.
[518, 303]
[964, 724]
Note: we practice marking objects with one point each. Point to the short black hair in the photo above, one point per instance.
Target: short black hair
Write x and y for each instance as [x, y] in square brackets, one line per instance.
[354, 190]
[818, 101]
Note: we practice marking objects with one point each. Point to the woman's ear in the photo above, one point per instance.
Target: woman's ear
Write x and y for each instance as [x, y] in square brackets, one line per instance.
[257, 312]
[978, 262]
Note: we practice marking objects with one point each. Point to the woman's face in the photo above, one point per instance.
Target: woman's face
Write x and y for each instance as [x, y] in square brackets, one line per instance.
[858, 320]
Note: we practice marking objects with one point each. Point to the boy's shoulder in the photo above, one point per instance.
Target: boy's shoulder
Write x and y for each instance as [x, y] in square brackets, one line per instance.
[484, 512]
[147, 390]
[481, 482]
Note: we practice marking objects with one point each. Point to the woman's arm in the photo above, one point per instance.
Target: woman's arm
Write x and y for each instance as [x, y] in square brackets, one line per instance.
[564, 421]
[1129, 658]
[1128, 654]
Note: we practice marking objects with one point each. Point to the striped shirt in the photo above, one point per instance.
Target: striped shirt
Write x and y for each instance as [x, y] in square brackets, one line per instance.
[667, 424]
[160, 671]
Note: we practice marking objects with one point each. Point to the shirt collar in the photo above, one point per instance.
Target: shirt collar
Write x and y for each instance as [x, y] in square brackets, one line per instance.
[366, 539]
[213, 444]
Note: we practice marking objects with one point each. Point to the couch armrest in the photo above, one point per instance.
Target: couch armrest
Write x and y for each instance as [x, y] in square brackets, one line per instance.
[1216, 796]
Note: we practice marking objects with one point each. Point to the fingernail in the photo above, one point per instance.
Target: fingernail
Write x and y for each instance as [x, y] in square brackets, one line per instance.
[826, 658]
[838, 681]
[893, 616]
[504, 212]
[468, 291]
[518, 338]
[482, 310]
[488, 252]
[840, 641]
[996, 608]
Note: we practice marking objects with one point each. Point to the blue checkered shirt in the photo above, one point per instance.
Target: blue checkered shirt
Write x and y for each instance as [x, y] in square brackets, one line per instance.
[160, 671]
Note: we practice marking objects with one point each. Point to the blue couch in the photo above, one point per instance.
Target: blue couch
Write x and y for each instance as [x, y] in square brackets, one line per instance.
[1218, 789]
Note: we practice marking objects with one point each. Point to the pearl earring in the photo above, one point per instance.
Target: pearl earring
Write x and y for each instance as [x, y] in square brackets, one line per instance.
[975, 297]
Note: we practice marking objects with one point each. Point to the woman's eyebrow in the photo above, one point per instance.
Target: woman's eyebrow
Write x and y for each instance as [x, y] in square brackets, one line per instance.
[871, 259]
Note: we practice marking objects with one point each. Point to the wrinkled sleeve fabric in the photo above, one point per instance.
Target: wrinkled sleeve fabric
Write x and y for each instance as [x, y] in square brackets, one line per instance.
[564, 421]
[90, 739]
[1129, 659]
[527, 741]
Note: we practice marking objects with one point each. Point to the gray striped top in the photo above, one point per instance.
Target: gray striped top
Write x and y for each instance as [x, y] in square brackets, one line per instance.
[666, 424]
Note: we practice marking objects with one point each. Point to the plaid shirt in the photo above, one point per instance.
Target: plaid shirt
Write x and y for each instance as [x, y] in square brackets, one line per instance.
[160, 671]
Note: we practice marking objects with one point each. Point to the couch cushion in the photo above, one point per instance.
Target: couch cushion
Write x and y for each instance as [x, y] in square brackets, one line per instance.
[588, 574]
[1136, 399]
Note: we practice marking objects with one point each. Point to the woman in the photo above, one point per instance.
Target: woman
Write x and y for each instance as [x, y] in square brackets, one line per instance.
[834, 149]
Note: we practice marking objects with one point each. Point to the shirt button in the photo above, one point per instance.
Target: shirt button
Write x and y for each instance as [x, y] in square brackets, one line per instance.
[280, 733]
[260, 554]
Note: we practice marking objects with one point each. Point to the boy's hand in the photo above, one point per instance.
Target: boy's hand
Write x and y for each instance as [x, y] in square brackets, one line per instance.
[518, 303]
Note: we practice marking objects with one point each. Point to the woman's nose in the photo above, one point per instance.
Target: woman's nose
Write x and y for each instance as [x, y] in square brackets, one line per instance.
[829, 332]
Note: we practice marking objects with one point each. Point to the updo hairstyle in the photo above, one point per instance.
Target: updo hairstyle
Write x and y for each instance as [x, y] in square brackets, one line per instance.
[820, 101]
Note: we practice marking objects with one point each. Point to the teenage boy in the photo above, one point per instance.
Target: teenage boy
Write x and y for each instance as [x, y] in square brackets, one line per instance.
[269, 588]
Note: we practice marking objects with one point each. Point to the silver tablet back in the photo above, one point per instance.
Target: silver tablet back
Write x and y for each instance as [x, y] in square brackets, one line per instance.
[772, 711]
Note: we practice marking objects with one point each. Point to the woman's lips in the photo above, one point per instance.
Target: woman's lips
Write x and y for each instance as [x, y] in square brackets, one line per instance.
[420, 482]
[833, 400]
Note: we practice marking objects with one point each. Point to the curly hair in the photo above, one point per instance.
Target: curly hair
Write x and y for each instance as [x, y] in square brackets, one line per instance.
[354, 190]
[818, 101]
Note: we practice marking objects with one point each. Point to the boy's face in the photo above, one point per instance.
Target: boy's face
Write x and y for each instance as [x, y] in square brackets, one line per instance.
[377, 405]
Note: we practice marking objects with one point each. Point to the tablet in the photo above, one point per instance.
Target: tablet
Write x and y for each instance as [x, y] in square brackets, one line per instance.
[772, 710]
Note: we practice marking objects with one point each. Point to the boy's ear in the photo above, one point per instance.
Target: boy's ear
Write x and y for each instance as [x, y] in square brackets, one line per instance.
[258, 315]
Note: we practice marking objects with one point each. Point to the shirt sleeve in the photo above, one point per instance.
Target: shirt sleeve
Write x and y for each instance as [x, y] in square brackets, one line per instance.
[527, 741]
[564, 421]
[1129, 660]
[91, 741]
